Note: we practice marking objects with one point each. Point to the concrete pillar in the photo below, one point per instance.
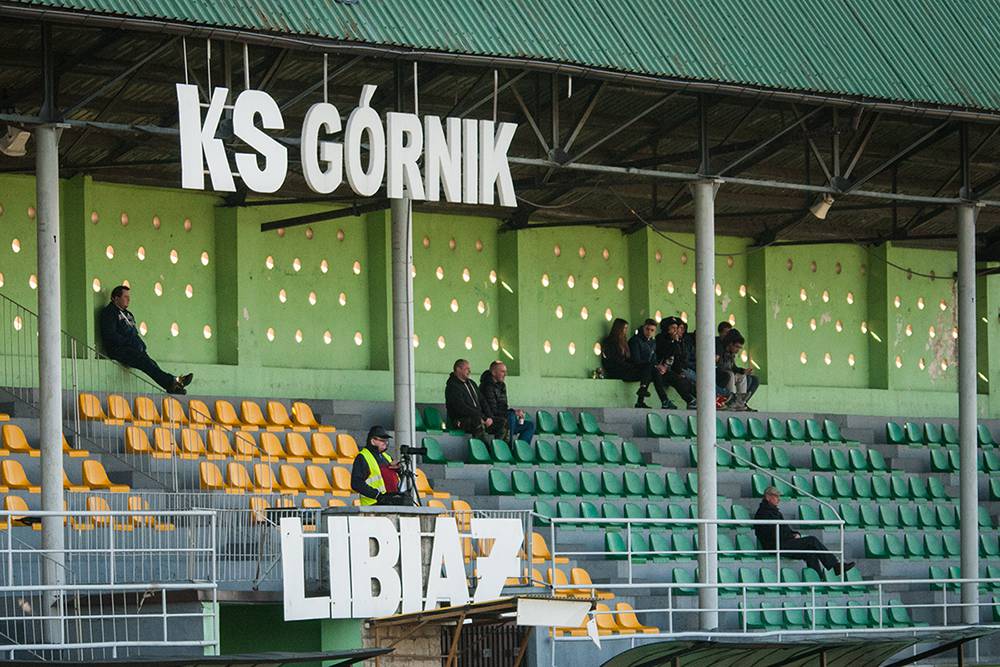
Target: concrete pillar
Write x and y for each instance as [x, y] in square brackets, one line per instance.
[704, 221]
[50, 368]
[402, 319]
[968, 470]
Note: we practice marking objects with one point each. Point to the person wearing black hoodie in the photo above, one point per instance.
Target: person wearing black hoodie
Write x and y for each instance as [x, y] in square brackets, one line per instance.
[672, 349]
[508, 423]
[793, 545]
[464, 403]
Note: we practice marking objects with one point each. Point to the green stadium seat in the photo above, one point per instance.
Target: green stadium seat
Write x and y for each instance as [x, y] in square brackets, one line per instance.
[894, 434]
[822, 486]
[940, 461]
[660, 543]
[991, 461]
[814, 431]
[918, 488]
[684, 579]
[760, 457]
[611, 511]
[546, 452]
[827, 513]
[478, 453]
[995, 488]
[756, 429]
[811, 576]
[784, 488]
[899, 616]
[908, 516]
[791, 576]
[685, 544]
[567, 423]
[936, 489]
[803, 485]
[590, 453]
[796, 430]
[740, 513]
[895, 546]
[821, 460]
[842, 486]
[988, 547]
[676, 486]
[772, 616]
[808, 513]
[615, 546]
[934, 546]
[656, 426]
[851, 515]
[914, 546]
[858, 615]
[952, 546]
[642, 550]
[727, 578]
[692, 484]
[655, 511]
[832, 431]
[900, 487]
[737, 429]
[876, 462]
[611, 484]
[949, 434]
[433, 421]
[723, 458]
[545, 423]
[589, 425]
[418, 420]
[881, 490]
[776, 430]
[499, 483]
[675, 511]
[939, 573]
[721, 427]
[928, 516]
[869, 516]
[568, 483]
[634, 486]
[947, 517]
[634, 511]
[522, 483]
[631, 454]
[780, 459]
[726, 546]
[746, 545]
[545, 484]
[589, 510]
[434, 452]
[590, 483]
[611, 453]
[858, 460]
[501, 452]
[984, 435]
[524, 453]
[741, 455]
[759, 483]
[544, 511]
[567, 510]
[769, 576]
[677, 426]
[985, 521]
[875, 546]
[751, 619]
[568, 453]
[888, 516]
[656, 487]
[836, 616]
[914, 433]
[993, 572]
[840, 460]
[932, 433]
[723, 512]
[861, 487]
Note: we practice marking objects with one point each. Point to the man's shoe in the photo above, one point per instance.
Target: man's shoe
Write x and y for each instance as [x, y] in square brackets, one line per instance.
[846, 567]
[693, 405]
[641, 403]
[668, 405]
[643, 392]
[185, 380]
[177, 388]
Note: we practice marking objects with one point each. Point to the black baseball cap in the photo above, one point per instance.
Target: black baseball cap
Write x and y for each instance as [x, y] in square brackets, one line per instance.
[378, 432]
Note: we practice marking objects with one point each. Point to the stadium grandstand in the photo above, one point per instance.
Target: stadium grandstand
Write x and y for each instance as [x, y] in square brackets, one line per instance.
[319, 208]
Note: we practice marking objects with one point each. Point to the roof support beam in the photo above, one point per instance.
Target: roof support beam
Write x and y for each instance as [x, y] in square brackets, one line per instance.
[860, 150]
[531, 120]
[914, 146]
[319, 84]
[799, 121]
[627, 124]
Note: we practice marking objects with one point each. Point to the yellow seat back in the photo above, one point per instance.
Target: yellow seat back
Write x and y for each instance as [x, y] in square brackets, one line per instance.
[347, 446]
[341, 478]
[296, 445]
[145, 409]
[291, 478]
[252, 414]
[97, 504]
[264, 477]
[245, 444]
[118, 407]
[277, 414]
[322, 447]
[90, 407]
[13, 438]
[13, 474]
[136, 440]
[94, 475]
[225, 413]
[316, 479]
[538, 547]
[259, 506]
[238, 477]
[271, 446]
[163, 440]
[198, 412]
[218, 443]
[191, 442]
[210, 476]
[173, 411]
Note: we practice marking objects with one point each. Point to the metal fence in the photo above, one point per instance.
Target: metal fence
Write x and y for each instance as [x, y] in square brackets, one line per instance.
[135, 583]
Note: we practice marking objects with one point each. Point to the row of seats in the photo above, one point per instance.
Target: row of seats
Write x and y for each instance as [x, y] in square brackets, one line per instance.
[587, 483]
[83, 522]
[243, 446]
[588, 510]
[831, 617]
[14, 442]
[728, 579]
[955, 572]
[882, 515]
[915, 545]
[430, 420]
[95, 478]
[669, 544]
[251, 417]
[622, 621]
[741, 455]
[754, 429]
[563, 452]
[856, 487]
[930, 433]
[946, 459]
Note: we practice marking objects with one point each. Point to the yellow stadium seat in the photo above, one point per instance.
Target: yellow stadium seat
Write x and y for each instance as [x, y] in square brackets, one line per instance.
[237, 478]
[139, 504]
[463, 514]
[560, 580]
[317, 483]
[96, 477]
[270, 446]
[90, 408]
[70, 486]
[99, 504]
[335, 502]
[322, 448]
[434, 502]
[625, 616]
[245, 445]
[136, 441]
[291, 479]
[258, 509]
[278, 418]
[347, 447]
[199, 414]
[173, 413]
[211, 478]
[580, 576]
[311, 504]
[192, 445]
[341, 478]
[164, 444]
[606, 622]
[424, 486]
[19, 504]
[218, 445]
[302, 415]
[119, 410]
[251, 415]
[264, 478]
[13, 477]
[540, 551]
[225, 415]
[14, 441]
[69, 451]
[297, 448]
[4, 417]
[145, 411]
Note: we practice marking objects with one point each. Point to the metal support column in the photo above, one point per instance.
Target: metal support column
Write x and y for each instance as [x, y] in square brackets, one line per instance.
[402, 319]
[704, 220]
[968, 482]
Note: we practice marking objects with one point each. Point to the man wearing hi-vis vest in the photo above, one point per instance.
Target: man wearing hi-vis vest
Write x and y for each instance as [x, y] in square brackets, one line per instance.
[374, 474]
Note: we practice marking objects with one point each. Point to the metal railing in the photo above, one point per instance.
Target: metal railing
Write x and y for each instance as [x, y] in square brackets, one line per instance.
[129, 578]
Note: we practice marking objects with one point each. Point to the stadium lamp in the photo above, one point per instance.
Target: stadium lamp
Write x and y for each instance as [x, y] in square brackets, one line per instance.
[14, 141]
[822, 206]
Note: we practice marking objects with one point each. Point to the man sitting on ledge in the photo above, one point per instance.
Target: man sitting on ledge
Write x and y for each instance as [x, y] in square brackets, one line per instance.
[792, 544]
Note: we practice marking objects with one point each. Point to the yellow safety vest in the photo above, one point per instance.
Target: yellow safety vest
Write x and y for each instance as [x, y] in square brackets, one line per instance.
[374, 475]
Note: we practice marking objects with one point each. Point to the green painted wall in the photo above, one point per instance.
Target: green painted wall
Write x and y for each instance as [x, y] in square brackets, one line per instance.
[260, 628]
[307, 312]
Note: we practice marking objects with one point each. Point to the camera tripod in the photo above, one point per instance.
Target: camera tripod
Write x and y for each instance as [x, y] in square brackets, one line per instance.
[408, 480]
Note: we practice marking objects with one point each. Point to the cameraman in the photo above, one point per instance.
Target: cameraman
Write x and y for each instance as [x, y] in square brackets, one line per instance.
[374, 475]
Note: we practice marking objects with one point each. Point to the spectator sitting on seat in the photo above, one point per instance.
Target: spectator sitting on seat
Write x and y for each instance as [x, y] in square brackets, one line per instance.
[373, 473]
[123, 343]
[464, 403]
[673, 350]
[508, 423]
[642, 349]
[739, 382]
[720, 390]
[616, 358]
[792, 544]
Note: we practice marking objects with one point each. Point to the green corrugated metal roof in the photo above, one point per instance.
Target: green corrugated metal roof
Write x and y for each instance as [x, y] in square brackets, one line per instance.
[941, 52]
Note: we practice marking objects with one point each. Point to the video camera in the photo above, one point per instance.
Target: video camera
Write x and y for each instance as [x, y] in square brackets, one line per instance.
[412, 451]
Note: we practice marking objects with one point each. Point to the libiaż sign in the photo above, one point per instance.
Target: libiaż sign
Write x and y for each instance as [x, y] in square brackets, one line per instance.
[463, 157]
[397, 566]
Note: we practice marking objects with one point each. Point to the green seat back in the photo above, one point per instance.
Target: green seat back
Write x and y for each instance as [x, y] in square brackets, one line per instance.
[567, 423]
[567, 510]
[501, 451]
[723, 458]
[683, 543]
[614, 545]
[756, 429]
[808, 513]
[821, 459]
[726, 546]
[611, 511]
[875, 546]
[894, 434]
[823, 486]
[894, 546]
[611, 484]
[995, 488]
[433, 420]
[840, 460]
[880, 487]
[721, 427]
[675, 511]
[796, 430]
[545, 422]
[842, 487]
[634, 487]
[656, 426]
[936, 489]
[434, 452]
[790, 575]
[478, 453]
[914, 546]
[611, 453]
[588, 510]
[656, 487]
[769, 576]
[988, 547]
[740, 513]
[749, 575]
[546, 452]
[677, 426]
[655, 511]
[760, 457]
[780, 459]
[831, 431]
[590, 483]
[909, 517]
[544, 511]
[776, 430]
[900, 487]
[949, 434]
[932, 433]
[692, 484]
[928, 516]
[524, 452]
[985, 437]
[899, 616]
[939, 460]
[991, 461]
[851, 515]
[693, 426]
[545, 484]
[859, 462]
[589, 425]
[836, 617]
[773, 616]
[759, 483]
[914, 433]
[827, 513]
[933, 546]
[888, 516]
[685, 579]
[784, 488]
[952, 546]
[522, 483]
[741, 455]
[858, 615]
[568, 453]
[675, 485]
[737, 429]
[861, 487]
[876, 462]
[634, 511]
[723, 512]
[499, 483]
[918, 488]
[814, 431]
[984, 518]
[869, 516]
[803, 484]
[590, 454]
[660, 542]
[631, 453]
[418, 420]
[726, 576]
[746, 544]
[569, 483]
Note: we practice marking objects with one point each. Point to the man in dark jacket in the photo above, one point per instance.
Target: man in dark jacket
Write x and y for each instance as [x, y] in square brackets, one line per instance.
[672, 350]
[740, 383]
[123, 344]
[508, 424]
[792, 544]
[642, 348]
[463, 402]
[373, 473]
